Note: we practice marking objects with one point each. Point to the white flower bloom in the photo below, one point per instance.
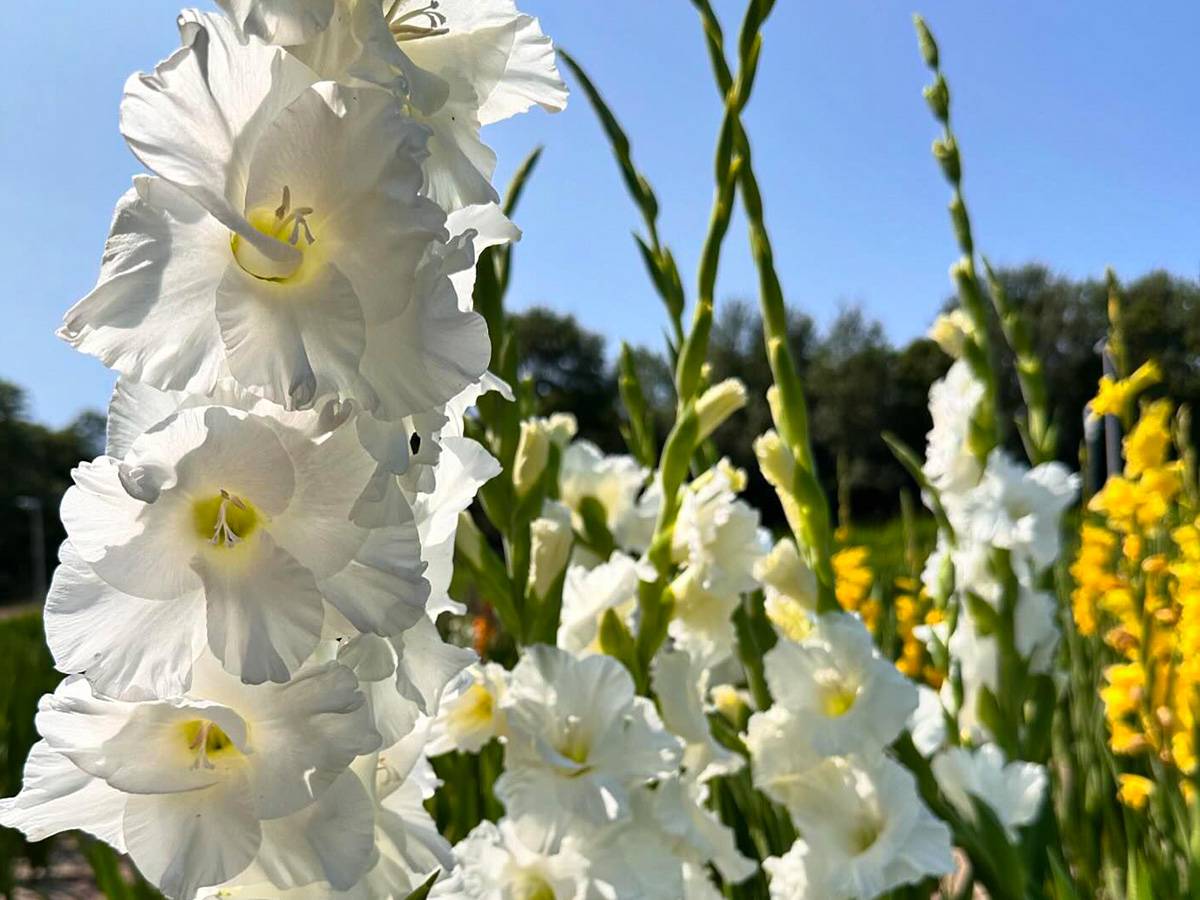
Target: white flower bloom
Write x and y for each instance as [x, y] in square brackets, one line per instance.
[228, 525]
[928, 722]
[301, 274]
[197, 788]
[862, 817]
[691, 832]
[719, 533]
[1018, 509]
[798, 875]
[471, 712]
[588, 594]
[681, 688]
[846, 696]
[551, 539]
[702, 619]
[950, 465]
[515, 860]
[790, 588]
[614, 481]
[280, 21]
[978, 658]
[1014, 791]
[579, 739]
[400, 779]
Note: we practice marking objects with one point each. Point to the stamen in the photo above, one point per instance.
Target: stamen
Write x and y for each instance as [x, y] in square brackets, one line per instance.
[407, 25]
[200, 744]
[287, 202]
[222, 532]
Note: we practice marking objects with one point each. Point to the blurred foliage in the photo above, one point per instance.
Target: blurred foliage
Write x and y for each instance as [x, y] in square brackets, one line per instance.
[26, 672]
[37, 462]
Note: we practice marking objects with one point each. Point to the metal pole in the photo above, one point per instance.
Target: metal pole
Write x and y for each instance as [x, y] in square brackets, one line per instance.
[1112, 425]
[37, 543]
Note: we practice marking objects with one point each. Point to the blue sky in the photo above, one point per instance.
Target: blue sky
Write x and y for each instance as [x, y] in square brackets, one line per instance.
[1077, 121]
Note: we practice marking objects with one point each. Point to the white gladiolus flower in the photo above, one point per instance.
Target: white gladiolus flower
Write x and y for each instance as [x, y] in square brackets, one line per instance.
[228, 525]
[280, 21]
[1018, 509]
[702, 618]
[845, 696]
[471, 712]
[790, 588]
[515, 859]
[1014, 791]
[928, 722]
[588, 594]
[197, 788]
[301, 273]
[950, 465]
[579, 739]
[862, 817]
[400, 779]
[797, 875]
[681, 688]
[614, 481]
[719, 533]
[457, 64]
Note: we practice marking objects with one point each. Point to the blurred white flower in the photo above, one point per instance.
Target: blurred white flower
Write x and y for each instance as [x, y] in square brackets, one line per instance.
[862, 818]
[844, 696]
[579, 739]
[471, 713]
[681, 687]
[533, 447]
[702, 618]
[588, 594]
[798, 875]
[717, 404]
[790, 588]
[1018, 509]
[950, 465]
[719, 534]
[1014, 791]
[515, 860]
[928, 722]
[197, 788]
[614, 481]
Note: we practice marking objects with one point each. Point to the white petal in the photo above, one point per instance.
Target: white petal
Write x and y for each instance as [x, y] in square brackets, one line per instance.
[264, 609]
[332, 840]
[150, 315]
[128, 647]
[197, 119]
[382, 590]
[185, 841]
[280, 21]
[426, 664]
[304, 735]
[58, 796]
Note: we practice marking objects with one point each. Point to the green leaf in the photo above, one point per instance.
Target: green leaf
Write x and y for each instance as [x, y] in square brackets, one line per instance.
[423, 891]
[595, 527]
[617, 642]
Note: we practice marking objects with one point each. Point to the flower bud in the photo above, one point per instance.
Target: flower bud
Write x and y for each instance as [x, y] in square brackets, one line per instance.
[937, 95]
[550, 546]
[778, 465]
[945, 150]
[929, 48]
[718, 403]
[951, 331]
[784, 571]
[533, 447]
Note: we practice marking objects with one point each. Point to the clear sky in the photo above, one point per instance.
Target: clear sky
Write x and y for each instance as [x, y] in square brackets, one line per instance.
[1077, 121]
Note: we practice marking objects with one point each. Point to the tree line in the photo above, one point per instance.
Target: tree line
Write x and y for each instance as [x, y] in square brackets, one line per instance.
[861, 385]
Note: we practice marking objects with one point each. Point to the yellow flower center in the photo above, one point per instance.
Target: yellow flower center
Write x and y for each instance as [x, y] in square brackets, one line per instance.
[224, 520]
[474, 709]
[286, 224]
[836, 700]
[530, 886]
[208, 742]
